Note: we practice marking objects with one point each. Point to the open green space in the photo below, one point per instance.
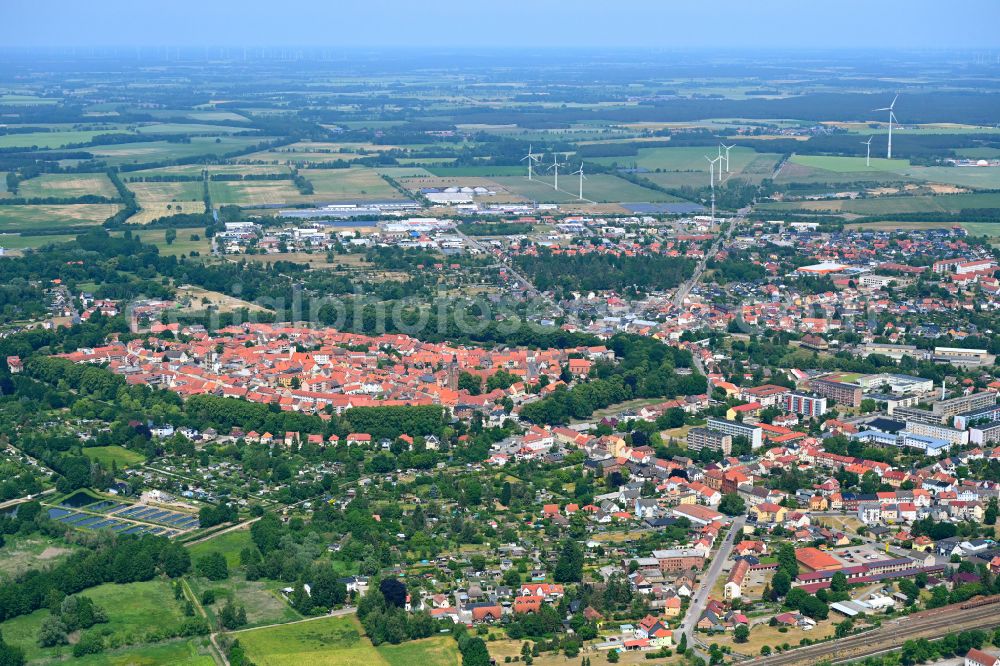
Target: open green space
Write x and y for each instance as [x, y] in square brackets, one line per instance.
[262, 599]
[338, 641]
[229, 544]
[23, 552]
[190, 652]
[182, 244]
[106, 455]
[136, 611]
[18, 242]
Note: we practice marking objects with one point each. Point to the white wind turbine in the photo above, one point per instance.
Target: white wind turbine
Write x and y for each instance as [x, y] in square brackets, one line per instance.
[579, 172]
[531, 159]
[868, 154]
[555, 169]
[892, 118]
[727, 148]
[711, 178]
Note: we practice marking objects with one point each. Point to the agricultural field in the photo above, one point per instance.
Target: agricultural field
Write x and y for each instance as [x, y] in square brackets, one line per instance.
[946, 203]
[599, 187]
[248, 193]
[159, 151]
[338, 641]
[982, 178]
[849, 164]
[793, 172]
[134, 610]
[400, 172]
[196, 170]
[51, 139]
[162, 199]
[22, 218]
[356, 184]
[187, 128]
[481, 171]
[317, 152]
[67, 186]
[106, 455]
[682, 158]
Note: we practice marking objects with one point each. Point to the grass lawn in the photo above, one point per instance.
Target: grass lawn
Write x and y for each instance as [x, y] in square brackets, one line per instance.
[66, 186]
[339, 641]
[229, 544]
[20, 218]
[105, 455]
[134, 609]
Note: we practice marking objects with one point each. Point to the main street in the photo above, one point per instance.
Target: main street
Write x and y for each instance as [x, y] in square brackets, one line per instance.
[700, 598]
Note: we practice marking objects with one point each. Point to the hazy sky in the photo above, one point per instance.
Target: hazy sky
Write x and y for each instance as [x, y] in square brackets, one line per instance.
[666, 24]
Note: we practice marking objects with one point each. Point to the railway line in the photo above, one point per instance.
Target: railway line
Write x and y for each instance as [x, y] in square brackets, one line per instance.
[974, 614]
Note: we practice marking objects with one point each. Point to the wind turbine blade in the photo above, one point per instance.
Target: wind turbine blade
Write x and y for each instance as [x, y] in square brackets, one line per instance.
[894, 101]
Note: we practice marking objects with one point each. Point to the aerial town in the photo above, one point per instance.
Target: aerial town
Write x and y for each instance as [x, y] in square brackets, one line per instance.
[596, 354]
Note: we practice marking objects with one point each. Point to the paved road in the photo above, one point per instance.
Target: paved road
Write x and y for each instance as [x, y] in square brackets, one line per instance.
[720, 240]
[708, 580]
[22, 500]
